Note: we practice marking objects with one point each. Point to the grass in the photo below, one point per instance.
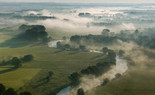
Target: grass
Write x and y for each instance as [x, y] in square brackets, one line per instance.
[138, 80]
[31, 76]
[46, 59]
[17, 78]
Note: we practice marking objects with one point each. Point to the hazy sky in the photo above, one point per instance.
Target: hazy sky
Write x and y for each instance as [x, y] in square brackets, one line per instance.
[84, 1]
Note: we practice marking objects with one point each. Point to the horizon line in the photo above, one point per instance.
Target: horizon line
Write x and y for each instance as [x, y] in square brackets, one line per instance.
[75, 2]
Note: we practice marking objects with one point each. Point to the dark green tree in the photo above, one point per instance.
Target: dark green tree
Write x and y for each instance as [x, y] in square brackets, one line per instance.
[2, 89]
[74, 77]
[118, 75]
[17, 62]
[80, 91]
[106, 80]
[82, 47]
[25, 93]
[27, 58]
[105, 50]
[67, 46]
[10, 91]
[121, 53]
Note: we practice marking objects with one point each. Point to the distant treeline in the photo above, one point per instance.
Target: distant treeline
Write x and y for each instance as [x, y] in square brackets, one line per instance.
[69, 47]
[11, 91]
[17, 62]
[109, 38]
[34, 17]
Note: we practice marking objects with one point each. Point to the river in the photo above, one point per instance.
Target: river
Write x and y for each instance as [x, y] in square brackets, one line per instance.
[89, 82]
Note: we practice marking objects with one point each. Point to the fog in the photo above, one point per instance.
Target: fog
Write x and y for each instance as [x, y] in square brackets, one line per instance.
[85, 19]
[101, 17]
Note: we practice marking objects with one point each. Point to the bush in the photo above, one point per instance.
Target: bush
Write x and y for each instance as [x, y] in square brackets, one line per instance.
[80, 91]
[27, 58]
[25, 93]
[10, 91]
[118, 75]
[16, 61]
[2, 89]
[74, 77]
[105, 81]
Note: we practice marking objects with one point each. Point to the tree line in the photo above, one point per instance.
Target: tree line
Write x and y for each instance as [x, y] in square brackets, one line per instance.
[17, 62]
[11, 91]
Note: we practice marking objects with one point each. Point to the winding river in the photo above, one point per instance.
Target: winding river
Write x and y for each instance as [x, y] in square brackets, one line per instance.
[89, 82]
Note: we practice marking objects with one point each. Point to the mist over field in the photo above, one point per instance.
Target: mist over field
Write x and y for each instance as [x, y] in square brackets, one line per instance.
[77, 48]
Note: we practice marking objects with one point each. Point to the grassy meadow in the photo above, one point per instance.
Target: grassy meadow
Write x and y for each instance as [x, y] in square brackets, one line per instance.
[32, 75]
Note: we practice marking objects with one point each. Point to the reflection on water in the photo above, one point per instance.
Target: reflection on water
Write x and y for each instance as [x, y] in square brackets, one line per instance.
[65, 91]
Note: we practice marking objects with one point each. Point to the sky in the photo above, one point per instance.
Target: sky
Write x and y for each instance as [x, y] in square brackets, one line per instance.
[84, 1]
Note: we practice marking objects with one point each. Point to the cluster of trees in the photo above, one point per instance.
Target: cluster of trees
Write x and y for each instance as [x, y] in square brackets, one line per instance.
[141, 38]
[111, 55]
[69, 47]
[11, 91]
[75, 78]
[17, 62]
[97, 69]
[121, 53]
[34, 33]
[84, 14]
[106, 80]
[102, 67]
[93, 39]
[108, 38]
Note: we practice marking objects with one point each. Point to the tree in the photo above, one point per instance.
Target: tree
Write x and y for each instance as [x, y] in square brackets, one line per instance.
[105, 50]
[50, 73]
[118, 75]
[45, 40]
[59, 45]
[80, 91]
[27, 58]
[81, 14]
[74, 77]
[34, 33]
[121, 53]
[106, 80]
[25, 93]
[105, 32]
[64, 38]
[10, 91]
[111, 57]
[75, 39]
[17, 62]
[82, 47]
[111, 54]
[2, 89]
[136, 32]
[67, 46]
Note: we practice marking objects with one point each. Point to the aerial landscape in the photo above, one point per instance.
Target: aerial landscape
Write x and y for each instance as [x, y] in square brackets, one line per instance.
[98, 47]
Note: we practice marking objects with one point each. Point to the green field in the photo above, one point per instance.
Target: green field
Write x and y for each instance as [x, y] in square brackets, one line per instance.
[31, 76]
[138, 80]
[62, 63]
